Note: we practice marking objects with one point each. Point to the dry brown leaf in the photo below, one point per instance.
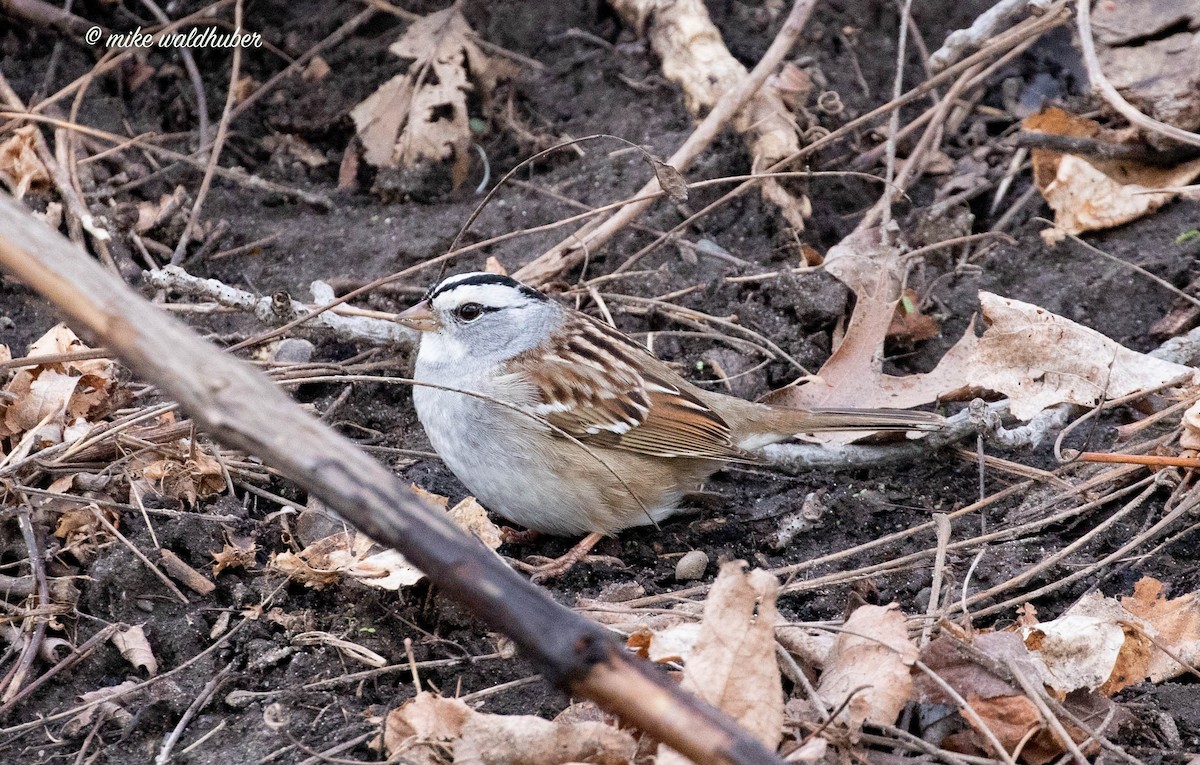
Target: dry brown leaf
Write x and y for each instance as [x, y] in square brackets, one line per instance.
[733, 665]
[1080, 648]
[666, 643]
[958, 668]
[1034, 357]
[1092, 194]
[872, 672]
[1176, 624]
[1009, 718]
[423, 728]
[429, 498]
[1105, 644]
[82, 532]
[190, 480]
[347, 554]
[135, 649]
[238, 552]
[354, 555]
[811, 647]
[57, 398]
[470, 516]
[41, 401]
[422, 114]
[528, 740]
[104, 704]
[669, 179]
[997, 700]
[430, 730]
[20, 167]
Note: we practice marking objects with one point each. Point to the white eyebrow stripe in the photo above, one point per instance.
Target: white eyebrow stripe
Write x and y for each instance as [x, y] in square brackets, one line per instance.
[487, 295]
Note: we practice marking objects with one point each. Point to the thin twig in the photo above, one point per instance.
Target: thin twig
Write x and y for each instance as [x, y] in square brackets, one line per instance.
[214, 156]
[198, 703]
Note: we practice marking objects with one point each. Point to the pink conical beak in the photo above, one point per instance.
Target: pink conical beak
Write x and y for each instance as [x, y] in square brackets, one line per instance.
[419, 317]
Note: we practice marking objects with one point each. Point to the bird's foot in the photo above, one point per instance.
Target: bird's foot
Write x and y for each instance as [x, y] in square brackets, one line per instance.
[542, 569]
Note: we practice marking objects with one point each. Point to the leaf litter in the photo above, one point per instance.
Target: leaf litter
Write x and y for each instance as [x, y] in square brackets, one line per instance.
[353, 555]
[422, 115]
[1134, 628]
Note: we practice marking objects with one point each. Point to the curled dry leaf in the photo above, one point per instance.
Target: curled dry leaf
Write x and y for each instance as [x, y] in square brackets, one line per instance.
[422, 114]
[1093, 194]
[104, 704]
[868, 669]
[733, 664]
[429, 730]
[811, 647]
[238, 552]
[135, 649]
[470, 516]
[347, 554]
[20, 167]
[665, 642]
[81, 531]
[670, 179]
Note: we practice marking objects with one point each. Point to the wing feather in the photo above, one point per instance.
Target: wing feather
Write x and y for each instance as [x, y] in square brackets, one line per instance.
[604, 389]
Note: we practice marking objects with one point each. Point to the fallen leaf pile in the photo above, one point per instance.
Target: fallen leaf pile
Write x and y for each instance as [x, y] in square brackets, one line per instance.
[970, 691]
[56, 402]
[353, 555]
[422, 114]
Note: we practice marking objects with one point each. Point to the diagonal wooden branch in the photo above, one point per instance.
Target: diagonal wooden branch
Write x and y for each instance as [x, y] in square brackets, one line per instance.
[575, 248]
[240, 408]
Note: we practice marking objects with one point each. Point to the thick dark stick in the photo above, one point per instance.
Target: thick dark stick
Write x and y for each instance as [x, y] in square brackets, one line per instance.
[242, 409]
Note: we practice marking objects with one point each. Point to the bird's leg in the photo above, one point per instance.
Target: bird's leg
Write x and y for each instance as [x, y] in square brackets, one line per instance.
[549, 568]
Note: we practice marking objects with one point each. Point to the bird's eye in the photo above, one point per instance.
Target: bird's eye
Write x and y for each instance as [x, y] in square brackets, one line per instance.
[469, 311]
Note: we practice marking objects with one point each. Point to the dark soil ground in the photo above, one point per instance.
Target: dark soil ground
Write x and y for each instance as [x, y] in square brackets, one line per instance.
[587, 87]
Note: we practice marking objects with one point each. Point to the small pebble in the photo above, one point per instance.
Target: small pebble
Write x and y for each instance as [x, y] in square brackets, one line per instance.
[145, 605]
[691, 566]
[294, 350]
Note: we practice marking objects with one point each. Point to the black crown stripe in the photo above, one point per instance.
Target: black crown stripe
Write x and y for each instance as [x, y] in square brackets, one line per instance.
[481, 279]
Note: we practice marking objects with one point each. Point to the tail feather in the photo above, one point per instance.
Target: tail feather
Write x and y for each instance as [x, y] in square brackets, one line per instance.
[813, 420]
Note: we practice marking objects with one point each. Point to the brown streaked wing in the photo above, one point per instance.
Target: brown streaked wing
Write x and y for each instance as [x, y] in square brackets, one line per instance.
[597, 388]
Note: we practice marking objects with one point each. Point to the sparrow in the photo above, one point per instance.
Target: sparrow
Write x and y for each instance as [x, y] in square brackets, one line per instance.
[560, 423]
